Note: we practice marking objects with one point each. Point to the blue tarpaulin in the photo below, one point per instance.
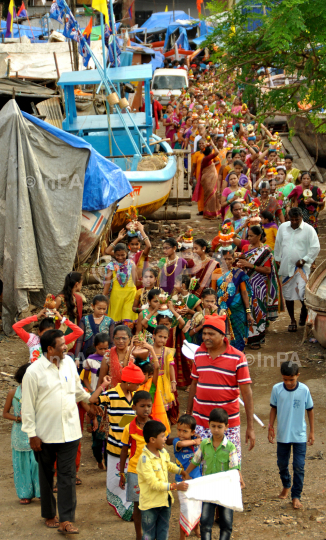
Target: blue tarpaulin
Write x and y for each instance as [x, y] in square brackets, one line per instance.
[199, 40]
[175, 26]
[105, 183]
[163, 19]
[24, 30]
[182, 40]
[157, 57]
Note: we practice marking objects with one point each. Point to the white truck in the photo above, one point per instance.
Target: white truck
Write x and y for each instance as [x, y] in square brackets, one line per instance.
[167, 83]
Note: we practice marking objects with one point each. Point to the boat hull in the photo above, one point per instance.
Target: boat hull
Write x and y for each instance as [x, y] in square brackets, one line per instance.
[142, 198]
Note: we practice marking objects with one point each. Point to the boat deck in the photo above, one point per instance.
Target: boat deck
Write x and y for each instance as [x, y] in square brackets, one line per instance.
[107, 133]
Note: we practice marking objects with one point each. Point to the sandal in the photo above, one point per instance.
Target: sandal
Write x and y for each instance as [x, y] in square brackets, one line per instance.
[25, 501]
[78, 483]
[255, 346]
[67, 528]
[54, 523]
[292, 327]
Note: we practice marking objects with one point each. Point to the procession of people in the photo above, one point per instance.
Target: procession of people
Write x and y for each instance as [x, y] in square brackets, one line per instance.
[121, 369]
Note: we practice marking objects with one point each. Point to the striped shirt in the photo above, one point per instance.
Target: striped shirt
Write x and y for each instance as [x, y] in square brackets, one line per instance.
[218, 383]
[117, 406]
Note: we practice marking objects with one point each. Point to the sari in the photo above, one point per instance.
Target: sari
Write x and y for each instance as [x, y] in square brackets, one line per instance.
[209, 183]
[272, 206]
[183, 364]
[229, 299]
[171, 130]
[309, 212]
[204, 275]
[281, 194]
[265, 290]
[243, 194]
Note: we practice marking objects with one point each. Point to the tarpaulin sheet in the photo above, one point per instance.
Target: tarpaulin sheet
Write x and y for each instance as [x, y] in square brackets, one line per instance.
[105, 183]
[36, 60]
[44, 175]
[30, 32]
[164, 18]
[40, 214]
[174, 26]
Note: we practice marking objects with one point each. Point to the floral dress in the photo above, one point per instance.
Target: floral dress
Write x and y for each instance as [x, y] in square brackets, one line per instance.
[123, 291]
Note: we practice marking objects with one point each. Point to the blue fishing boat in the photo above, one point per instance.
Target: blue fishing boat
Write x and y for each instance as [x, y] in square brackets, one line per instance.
[123, 137]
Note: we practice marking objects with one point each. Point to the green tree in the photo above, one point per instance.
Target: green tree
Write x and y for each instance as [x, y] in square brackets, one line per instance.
[291, 37]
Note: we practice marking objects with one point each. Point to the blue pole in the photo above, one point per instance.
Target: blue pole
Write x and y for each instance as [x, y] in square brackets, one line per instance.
[103, 45]
[113, 32]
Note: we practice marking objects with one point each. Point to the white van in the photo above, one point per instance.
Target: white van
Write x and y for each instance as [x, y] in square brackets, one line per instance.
[167, 82]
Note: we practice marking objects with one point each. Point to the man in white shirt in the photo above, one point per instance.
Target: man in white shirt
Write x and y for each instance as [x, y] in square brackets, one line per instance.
[296, 248]
[51, 388]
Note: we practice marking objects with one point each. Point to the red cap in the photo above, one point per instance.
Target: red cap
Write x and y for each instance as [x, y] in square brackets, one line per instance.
[217, 322]
[132, 374]
[193, 65]
[151, 93]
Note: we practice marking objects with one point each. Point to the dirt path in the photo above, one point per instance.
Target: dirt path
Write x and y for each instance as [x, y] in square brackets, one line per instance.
[264, 518]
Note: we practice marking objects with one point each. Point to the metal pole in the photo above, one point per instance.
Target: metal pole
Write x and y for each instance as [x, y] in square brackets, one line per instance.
[20, 38]
[103, 44]
[113, 33]
[110, 88]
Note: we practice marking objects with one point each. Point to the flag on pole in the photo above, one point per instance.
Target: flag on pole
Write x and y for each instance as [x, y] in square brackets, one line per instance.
[22, 11]
[101, 5]
[71, 27]
[198, 4]
[85, 38]
[88, 11]
[166, 8]
[10, 18]
[130, 12]
[57, 12]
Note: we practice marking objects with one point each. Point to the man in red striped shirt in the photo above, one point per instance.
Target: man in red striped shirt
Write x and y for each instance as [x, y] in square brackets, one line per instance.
[219, 372]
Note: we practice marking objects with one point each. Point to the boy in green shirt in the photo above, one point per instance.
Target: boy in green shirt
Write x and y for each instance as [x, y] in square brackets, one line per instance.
[217, 454]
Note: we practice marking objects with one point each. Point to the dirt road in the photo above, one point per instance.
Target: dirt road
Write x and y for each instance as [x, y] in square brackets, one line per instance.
[265, 517]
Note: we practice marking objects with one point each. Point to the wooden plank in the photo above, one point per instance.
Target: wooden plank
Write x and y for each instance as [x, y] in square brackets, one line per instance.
[302, 158]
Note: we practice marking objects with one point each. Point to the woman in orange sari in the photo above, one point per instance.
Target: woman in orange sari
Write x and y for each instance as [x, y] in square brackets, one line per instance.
[196, 160]
[209, 182]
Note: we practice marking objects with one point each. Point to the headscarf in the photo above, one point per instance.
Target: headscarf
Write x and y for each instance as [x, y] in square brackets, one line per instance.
[216, 322]
[132, 374]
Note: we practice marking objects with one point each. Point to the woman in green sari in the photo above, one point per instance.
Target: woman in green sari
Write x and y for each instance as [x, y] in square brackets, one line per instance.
[234, 297]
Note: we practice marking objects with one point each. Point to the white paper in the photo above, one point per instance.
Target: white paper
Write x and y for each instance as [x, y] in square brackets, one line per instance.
[221, 488]
[189, 349]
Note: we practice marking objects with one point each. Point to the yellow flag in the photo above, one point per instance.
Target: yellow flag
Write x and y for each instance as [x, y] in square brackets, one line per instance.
[101, 5]
[166, 9]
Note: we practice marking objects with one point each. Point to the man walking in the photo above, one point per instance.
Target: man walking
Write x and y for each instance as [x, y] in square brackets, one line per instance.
[219, 372]
[50, 391]
[296, 248]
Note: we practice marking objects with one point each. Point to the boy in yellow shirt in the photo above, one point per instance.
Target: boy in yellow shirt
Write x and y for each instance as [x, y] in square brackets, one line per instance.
[155, 489]
[133, 439]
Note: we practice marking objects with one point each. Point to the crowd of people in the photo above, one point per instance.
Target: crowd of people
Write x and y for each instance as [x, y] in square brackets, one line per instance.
[124, 363]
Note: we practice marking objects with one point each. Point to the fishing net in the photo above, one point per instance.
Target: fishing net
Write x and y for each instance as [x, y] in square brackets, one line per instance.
[152, 163]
